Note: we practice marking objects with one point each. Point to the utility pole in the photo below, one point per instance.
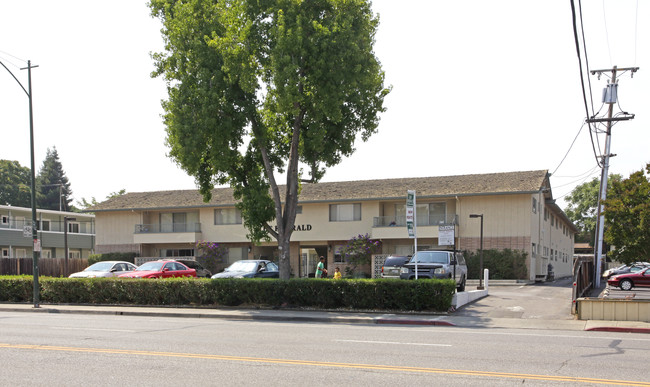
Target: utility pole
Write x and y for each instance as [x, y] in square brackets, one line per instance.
[610, 97]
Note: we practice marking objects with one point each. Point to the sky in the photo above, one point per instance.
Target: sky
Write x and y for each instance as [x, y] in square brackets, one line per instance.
[477, 87]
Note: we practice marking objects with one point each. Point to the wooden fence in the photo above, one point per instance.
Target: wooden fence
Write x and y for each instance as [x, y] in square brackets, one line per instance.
[49, 267]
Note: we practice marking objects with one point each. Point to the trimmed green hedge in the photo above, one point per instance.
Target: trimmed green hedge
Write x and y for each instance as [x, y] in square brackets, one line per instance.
[128, 257]
[358, 294]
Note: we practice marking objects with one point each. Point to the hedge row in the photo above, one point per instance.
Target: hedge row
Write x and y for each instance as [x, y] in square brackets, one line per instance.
[359, 294]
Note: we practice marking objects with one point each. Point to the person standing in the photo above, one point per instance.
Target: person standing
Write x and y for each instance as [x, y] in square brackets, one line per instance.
[320, 268]
[337, 273]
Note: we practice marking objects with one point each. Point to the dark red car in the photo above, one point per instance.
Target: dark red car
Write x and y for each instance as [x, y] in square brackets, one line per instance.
[161, 269]
[628, 281]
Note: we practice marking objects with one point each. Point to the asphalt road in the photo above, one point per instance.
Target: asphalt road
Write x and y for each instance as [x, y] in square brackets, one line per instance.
[75, 350]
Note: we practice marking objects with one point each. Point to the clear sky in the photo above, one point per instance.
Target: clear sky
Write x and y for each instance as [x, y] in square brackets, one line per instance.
[478, 87]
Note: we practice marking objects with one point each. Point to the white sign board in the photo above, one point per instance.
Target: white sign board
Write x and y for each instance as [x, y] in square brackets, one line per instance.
[27, 231]
[446, 235]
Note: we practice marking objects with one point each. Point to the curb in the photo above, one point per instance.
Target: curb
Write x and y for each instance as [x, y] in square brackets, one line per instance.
[414, 322]
[619, 329]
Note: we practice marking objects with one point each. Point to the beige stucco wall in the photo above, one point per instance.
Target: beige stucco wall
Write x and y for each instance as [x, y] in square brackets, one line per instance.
[116, 227]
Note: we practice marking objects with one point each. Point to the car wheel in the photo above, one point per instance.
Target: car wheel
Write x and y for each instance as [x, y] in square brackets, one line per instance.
[461, 286]
[626, 285]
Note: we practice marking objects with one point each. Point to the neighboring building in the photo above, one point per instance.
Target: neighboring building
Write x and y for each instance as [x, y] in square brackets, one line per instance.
[518, 208]
[16, 242]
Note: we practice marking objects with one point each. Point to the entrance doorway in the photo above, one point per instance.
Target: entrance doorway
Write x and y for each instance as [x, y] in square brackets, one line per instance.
[309, 258]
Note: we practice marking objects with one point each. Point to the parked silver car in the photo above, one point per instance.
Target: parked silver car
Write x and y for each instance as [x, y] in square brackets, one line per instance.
[392, 266]
[105, 269]
[437, 264]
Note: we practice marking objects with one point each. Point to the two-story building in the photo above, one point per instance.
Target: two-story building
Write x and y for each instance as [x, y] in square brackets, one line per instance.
[518, 211]
[16, 240]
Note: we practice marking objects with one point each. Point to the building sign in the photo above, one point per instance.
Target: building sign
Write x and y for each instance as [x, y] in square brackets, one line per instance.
[410, 213]
[299, 227]
[446, 235]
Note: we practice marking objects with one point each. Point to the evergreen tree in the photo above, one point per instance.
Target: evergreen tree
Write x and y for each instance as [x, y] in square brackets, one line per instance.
[15, 184]
[52, 186]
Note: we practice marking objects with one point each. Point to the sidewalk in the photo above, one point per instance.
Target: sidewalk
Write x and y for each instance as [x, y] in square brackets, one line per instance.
[337, 317]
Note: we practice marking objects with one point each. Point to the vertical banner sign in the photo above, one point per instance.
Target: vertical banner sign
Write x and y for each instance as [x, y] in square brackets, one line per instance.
[410, 213]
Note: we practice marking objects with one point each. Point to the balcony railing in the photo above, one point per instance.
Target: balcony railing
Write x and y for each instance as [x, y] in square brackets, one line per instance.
[167, 228]
[400, 221]
[51, 226]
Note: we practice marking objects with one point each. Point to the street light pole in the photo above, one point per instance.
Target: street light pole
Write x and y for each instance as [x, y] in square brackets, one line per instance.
[36, 247]
[480, 286]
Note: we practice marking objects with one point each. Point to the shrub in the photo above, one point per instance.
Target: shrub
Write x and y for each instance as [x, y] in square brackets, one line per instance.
[360, 294]
[128, 257]
[503, 264]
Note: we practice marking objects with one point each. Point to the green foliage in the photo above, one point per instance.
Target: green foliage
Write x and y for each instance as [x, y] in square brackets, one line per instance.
[359, 250]
[503, 264]
[627, 214]
[257, 87]
[53, 189]
[363, 294]
[15, 183]
[83, 203]
[582, 207]
[210, 254]
[16, 288]
[128, 257]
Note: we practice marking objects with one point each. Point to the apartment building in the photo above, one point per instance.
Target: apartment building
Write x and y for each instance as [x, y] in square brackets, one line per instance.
[16, 235]
[517, 208]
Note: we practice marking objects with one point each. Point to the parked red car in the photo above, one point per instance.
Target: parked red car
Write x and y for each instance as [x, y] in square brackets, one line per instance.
[161, 269]
[631, 280]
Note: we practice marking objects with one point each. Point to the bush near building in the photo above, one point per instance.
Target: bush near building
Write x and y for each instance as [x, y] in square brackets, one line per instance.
[423, 295]
[503, 264]
[127, 257]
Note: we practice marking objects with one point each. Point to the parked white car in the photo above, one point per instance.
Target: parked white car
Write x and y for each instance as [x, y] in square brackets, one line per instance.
[105, 269]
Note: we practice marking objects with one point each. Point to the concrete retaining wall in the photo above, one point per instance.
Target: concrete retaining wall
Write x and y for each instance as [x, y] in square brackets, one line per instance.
[613, 309]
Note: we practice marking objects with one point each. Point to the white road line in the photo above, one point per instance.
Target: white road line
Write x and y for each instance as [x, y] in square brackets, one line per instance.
[392, 342]
[94, 329]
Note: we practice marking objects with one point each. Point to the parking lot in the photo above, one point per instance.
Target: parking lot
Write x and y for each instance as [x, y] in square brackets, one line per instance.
[635, 293]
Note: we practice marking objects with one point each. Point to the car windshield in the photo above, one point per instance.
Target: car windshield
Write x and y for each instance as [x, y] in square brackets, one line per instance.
[429, 257]
[151, 266]
[242, 266]
[100, 266]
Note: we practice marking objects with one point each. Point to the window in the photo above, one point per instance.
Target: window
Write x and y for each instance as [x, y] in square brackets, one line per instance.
[534, 205]
[552, 220]
[73, 227]
[45, 225]
[227, 216]
[177, 252]
[545, 214]
[437, 213]
[74, 254]
[338, 257]
[534, 249]
[403, 250]
[236, 253]
[21, 253]
[426, 214]
[46, 253]
[345, 212]
[4, 219]
[298, 209]
[5, 253]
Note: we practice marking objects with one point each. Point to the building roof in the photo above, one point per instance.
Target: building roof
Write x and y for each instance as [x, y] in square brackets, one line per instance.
[360, 190]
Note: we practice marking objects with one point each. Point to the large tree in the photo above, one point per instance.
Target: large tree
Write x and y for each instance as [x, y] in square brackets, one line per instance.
[15, 184]
[627, 212]
[582, 207]
[258, 88]
[52, 186]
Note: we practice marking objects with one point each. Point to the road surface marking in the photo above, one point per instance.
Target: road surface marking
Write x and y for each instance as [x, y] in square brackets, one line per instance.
[505, 375]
